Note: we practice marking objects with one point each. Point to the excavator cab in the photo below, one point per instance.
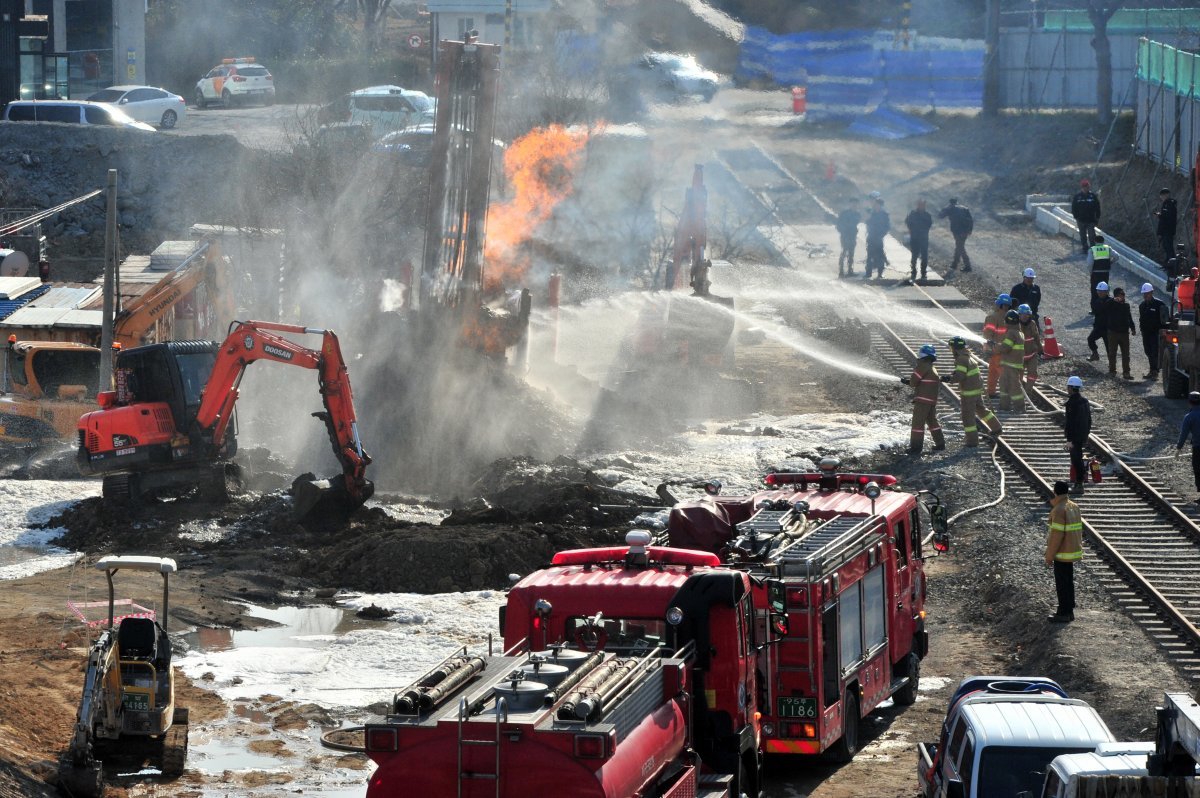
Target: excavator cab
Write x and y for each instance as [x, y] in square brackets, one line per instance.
[128, 710]
[173, 373]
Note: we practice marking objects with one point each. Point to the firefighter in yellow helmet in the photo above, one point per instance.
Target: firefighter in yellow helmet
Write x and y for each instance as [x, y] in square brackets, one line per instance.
[970, 388]
[1033, 342]
[1064, 548]
[1012, 364]
[925, 383]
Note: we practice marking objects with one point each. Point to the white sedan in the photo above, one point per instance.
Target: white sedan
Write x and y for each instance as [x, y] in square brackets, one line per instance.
[157, 107]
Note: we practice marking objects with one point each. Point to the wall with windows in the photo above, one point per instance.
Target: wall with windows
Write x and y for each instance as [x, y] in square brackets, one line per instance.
[452, 19]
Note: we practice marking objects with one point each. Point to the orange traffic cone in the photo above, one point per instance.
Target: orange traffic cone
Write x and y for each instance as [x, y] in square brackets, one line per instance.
[1049, 342]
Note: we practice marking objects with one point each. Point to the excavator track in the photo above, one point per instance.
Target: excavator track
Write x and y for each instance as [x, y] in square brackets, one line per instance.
[175, 745]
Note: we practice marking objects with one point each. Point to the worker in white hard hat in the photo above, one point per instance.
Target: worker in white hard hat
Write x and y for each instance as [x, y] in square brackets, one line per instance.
[1152, 318]
[1100, 300]
[1077, 429]
[1191, 427]
[1027, 292]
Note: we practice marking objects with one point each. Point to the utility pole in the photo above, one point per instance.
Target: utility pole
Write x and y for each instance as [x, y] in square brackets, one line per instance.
[991, 59]
[110, 278]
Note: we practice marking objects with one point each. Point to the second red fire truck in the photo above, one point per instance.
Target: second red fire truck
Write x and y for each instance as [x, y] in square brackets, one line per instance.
[641, 671]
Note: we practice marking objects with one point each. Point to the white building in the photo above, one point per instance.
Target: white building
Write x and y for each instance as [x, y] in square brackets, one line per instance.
[452, 18]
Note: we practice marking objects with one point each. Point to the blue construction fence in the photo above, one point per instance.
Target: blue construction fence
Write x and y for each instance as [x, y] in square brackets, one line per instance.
[850, 72]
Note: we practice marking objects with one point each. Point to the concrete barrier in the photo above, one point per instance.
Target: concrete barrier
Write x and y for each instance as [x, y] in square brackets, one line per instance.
[1052, 214]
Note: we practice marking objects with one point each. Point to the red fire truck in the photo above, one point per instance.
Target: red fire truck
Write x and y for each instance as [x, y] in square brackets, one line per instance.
[847, 554]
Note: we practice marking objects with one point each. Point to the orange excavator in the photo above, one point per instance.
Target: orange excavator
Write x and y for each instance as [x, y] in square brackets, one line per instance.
[168, 427]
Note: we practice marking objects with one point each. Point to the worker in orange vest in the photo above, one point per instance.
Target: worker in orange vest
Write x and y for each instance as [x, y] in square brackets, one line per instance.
[994, 330]
[925, 383]
[1033, 342]
[1064, 548]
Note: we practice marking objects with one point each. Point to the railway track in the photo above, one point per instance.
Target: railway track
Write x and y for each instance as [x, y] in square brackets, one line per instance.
[1147, 539]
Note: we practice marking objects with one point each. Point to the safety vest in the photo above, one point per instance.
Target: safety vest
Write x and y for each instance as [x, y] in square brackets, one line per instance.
[1101, 252]
[1065, 541]
[966, 374]
[1012, 351]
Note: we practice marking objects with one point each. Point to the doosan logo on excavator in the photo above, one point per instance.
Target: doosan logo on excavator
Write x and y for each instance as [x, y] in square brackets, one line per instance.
[275, 351]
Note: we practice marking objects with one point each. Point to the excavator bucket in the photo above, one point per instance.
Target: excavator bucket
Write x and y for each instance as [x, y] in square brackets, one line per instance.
[314, 497]
[83, 781]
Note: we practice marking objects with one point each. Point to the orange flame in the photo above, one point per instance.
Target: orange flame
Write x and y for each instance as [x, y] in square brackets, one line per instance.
[540, 167]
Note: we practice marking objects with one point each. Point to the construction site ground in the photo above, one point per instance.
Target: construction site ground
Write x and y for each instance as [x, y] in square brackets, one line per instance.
[987, 600]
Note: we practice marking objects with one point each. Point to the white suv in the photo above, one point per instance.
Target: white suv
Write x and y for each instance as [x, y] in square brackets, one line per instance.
[388, 108]
[235, 80]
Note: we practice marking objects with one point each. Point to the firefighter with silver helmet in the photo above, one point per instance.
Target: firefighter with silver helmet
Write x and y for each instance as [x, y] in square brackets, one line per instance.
[970, 388]
[1012, 364]
[1191, 427]
[925, 383]
[1033, 342]
[1078, 426]
[994, 330]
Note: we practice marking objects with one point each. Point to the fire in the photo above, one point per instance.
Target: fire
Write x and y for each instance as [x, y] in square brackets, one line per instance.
[540, 167]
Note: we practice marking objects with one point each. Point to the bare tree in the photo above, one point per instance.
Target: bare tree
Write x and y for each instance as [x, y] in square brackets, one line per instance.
[1100, 12]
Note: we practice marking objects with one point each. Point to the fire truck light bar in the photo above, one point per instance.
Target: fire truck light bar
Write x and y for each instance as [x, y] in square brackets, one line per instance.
[795, 478]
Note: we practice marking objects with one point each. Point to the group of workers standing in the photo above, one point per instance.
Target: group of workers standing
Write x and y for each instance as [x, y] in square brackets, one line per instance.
[919, 223]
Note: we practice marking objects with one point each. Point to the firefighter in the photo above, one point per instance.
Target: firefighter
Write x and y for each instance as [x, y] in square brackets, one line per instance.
[1078, 427]
[994, 329]
[1033, 342]
[1012, 364]
[1064, 548]
[1191, 426]
[1101, 259]
[1100, 300]
[925, 383]
[970, 388]
[1153, 317]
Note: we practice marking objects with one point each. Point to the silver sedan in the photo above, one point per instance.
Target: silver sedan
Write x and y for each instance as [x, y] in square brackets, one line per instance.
[157, 107]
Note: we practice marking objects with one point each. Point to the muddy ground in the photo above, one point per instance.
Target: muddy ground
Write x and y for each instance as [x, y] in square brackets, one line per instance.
[988, 598]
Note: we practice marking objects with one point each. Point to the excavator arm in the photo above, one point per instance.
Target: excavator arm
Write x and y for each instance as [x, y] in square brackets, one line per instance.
[250, 341]
[79, 770]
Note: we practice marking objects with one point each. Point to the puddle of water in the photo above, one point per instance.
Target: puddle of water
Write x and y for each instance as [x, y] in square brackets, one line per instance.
[219, 754]
[296, 628]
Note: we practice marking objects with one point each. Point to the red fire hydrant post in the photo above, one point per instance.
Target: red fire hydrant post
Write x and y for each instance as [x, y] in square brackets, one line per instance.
[799, 99]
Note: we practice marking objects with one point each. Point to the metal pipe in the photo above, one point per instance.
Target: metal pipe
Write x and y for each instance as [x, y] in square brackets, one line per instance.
[569, 708]
[407, 700]
[455, 679]
[593, 704]
[575, 677]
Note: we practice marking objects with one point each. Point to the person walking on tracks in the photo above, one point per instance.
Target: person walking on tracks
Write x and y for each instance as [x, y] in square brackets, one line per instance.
[1119, 319]
[925, 383]
[1027, 292]
[1152, 318]
[1012, 365]
[962, 224]
[1033, 342]
[1100, 303]
[994, 330]
[1064, 548]
[1100, 260]
[1085, 207]
[1168, 219]
[1191, 427]
[878, 225]
[847, 227]
[919, 223]
[970, 388]
[1077, 428]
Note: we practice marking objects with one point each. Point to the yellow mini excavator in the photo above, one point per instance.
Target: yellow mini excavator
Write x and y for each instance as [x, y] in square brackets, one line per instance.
[128, 706]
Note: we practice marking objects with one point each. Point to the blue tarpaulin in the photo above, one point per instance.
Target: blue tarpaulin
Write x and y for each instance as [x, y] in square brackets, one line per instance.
[888, 123]
[851, 72]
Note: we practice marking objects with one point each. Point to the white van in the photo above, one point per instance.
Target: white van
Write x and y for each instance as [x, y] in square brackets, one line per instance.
[389, 108]
[75, 112]
[1067, 774]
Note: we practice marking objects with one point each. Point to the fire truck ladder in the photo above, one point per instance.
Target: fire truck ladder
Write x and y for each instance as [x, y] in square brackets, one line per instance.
[821, 551]
[463, 717]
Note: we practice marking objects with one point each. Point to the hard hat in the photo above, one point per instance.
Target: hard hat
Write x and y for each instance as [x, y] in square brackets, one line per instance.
[1012, 315]
[1194, 397]
[927, 350]
[875, 195]
[957, 342]
[1147, 288]
[1024, 309]
[1003, 299]
[1030, 273]
[1101, 286]
[1074, 382]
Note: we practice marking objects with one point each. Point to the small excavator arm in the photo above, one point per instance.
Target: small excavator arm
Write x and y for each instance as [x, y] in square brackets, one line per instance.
[80, 771]
[249, 341]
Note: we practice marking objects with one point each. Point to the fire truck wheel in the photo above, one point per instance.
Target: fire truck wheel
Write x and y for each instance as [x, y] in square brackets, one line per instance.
[847, 745]
[748, 776]
[906, 696]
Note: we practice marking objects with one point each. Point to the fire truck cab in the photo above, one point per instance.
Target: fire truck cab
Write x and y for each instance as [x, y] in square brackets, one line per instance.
[839, 555]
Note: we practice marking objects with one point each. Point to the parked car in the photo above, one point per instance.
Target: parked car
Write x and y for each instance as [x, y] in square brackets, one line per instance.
[157, 107]
[388, 108]
[413, 145]
[1109, 759]
[681, 75]
[76, 112]
[1000, 735]
[236, 80]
